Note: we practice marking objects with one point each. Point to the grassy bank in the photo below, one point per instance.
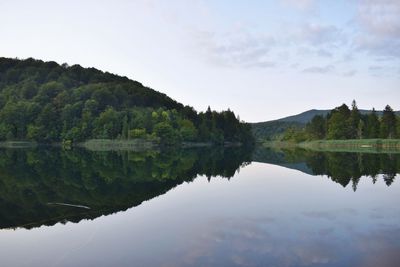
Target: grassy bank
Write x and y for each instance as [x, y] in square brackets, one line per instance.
[17, 144]
[137, 144]
[352, 145]
[141, 144]
[280, 144]
[109, 145]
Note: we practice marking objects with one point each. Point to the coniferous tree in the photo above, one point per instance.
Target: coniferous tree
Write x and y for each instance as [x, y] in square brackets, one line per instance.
[316, 128]
[338, 123]
[372, 125]
[398, 126]
[354, 121]
[388, 123]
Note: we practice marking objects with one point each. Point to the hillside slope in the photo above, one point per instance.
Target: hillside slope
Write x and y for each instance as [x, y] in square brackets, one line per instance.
[269, 130]
[47, 102]
[307, 116]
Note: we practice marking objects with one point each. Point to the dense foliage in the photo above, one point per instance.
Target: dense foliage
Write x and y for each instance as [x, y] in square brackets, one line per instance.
[345, 123]
[272, 130]
[48, 102]
[275, 130]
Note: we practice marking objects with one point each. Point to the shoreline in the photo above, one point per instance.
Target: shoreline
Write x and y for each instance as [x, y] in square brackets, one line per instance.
[350, 145]
[115, 145]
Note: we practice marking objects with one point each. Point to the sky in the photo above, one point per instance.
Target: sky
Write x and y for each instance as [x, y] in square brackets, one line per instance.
[262, 59]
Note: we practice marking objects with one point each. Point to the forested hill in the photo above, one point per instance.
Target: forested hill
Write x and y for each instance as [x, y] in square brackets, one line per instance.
[274, 129]
[344, 123]
[30, 78]
[305, 116]
[48, 102]
[268, 130]
[308, 115]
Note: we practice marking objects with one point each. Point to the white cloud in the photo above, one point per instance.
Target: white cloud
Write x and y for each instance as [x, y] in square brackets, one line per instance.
[299, 4]
[237, 49]
[324, 53]
[318, 69]
[379, 22]
[350, 73]
[318, 34]
[380, 18]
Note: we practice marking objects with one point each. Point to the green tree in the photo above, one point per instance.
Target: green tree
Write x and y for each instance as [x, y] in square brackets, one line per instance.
[125, 128]
[48, 124]
[104, 97]
[166, 133]
[295, 135]
[188, 130]
[108, 124]
[137, 133]
[338, 123]
[372, 125]
[398, 126]
[388, 123]
[360, 129]
[5, 129]
[316, 128]
[354, 121]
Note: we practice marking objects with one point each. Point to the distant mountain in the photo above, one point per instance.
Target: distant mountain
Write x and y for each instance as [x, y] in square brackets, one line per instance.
[269, 130]
[305, 116]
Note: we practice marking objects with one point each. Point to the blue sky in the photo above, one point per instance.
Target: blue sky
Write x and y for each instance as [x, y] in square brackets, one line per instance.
[262, 59]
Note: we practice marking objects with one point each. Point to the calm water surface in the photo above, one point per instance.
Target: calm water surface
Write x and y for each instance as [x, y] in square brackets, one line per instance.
[199, 208]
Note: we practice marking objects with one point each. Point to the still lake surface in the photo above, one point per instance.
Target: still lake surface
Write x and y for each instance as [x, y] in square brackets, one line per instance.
[198, 207]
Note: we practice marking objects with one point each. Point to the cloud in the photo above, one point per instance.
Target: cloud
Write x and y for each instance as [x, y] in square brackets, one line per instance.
[237, 49]
[299, 4]
[320, 215]
[380, 18]
[324, 53]
[318, 34]
[320, 70]
[350, 73]
[383, 70]
[348, 57]
[320, 237]
[263, 64]
[294, 65]
[320, 52]
[370, 31]
[244, 49]
[379, 22]
[375, 68]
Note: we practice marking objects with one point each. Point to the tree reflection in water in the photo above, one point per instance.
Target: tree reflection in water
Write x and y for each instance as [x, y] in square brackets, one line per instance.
[46, 186]
[340, 167]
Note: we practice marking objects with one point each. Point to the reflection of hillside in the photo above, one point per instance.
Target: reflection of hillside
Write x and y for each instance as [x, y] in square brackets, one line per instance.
[107, 182]
[271, 156]
[342, 168]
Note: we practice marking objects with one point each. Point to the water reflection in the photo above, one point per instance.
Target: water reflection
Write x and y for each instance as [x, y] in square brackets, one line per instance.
[46, 186]
[266, 216]
[340, 167]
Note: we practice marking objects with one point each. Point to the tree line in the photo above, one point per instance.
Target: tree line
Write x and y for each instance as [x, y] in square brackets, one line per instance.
[47, 102]
[344, 123]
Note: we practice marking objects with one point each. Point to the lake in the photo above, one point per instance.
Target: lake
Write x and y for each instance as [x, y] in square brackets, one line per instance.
[198, 207]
